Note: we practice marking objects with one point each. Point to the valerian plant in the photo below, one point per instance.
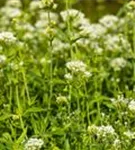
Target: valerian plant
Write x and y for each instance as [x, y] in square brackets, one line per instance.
[66, 83]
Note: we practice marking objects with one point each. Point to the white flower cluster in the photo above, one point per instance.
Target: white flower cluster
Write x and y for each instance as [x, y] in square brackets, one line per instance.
[128, 103]
[13, 3]
[118, 63]
[131, 106]
[109, 21]
[34, 5]
[28, 36]
[43, 21]
[76, 17]
[129, 134]
[59, 46]
[34, 144]
[68, 76]
[27, 28]
[120, 101]
[116, 144]
[106, 130]
[2, 59]
[94, 31]
[16, 66]
[116, 43]
[71, 13]
[82, 42]
[112, 43]
[77, 67]
[101, 131]
[7, 37]
[61, 100]
[10, 12]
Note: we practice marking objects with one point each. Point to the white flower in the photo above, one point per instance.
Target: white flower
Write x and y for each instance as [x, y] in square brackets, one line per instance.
[94, 31]
[82, 42]
[61, 100]
[43, 15]
[101, 131]
[112, 43]
[96, 47]
[59, 46]
[124, 43]
[71, 13]
[16, 66]
[28, 36]
[35, 5]
[7, 37]
[120, 100]
[27, 27]
[106, 130]
[117, 144]
[118, 63]
[74, 16]
[76, 66]
[34, 144]
[68, 76]
[131, 105]
[130, 134]
[87, 74]
[41, 24]
[2, 59]
[13, 3]
[116, 43]
[10, 12]
[109, 21]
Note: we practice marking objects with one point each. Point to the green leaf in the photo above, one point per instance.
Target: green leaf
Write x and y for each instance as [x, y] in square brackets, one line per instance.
[58, 131]
[5, 116]
[22, 136]
[33, 110]
[7, 137]
[67, 145]
[2, 147]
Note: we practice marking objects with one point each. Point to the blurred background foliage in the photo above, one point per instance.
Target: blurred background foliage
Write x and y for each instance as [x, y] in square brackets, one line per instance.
[93, 9]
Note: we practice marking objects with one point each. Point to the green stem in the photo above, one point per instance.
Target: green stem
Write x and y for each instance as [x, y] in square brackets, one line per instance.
[24, 78]
[10, 96]
[19, 107]
[134, 38]
[133, 50]
[99, 111]
[78, 104]
[70, 93]
[69, 29]
[51, 64]
[26, 86]
[87, 109]
[86, 104]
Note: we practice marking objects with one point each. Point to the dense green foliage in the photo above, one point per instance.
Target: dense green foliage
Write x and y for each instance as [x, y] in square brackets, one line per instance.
[66, 83]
